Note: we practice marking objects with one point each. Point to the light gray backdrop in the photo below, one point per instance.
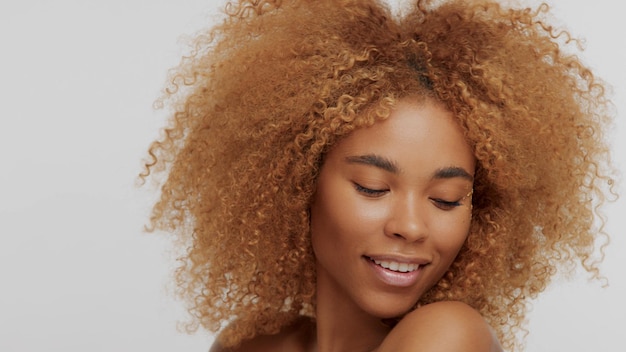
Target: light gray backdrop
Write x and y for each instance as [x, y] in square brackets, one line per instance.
[77, 82]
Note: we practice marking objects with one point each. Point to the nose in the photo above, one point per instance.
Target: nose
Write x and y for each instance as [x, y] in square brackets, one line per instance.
[407, 220]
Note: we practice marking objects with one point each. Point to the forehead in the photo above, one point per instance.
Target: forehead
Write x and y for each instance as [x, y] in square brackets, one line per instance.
[414, 135]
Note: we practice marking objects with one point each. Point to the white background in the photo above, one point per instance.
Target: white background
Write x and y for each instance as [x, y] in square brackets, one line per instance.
[77, 83]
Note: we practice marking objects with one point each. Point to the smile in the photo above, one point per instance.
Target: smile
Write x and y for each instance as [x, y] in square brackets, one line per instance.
[395, 266]
[398, 272]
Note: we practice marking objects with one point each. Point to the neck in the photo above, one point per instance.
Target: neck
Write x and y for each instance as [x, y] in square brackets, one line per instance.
[341, 325]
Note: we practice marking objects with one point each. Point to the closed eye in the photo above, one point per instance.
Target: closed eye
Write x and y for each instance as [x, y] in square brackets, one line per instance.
[444, 204]
[369, 192]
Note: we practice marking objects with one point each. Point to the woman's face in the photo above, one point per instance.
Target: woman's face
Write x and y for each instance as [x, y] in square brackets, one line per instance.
[392, 209]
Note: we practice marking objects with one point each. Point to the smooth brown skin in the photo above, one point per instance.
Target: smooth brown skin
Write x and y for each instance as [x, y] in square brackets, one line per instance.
[415, 208]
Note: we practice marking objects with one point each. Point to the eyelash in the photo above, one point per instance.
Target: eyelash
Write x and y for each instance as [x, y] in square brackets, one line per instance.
[446, 205]
[439, 203]
[369, 192]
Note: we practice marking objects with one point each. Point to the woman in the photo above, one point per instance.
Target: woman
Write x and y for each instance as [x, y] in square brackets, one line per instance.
[345, 180]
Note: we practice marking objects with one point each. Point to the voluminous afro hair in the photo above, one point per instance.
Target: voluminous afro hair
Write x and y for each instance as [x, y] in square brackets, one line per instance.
[264, 95]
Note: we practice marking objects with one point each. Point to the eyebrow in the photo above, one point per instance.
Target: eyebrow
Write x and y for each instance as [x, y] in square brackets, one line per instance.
[390, 166]
[376, 161]
[452, 172]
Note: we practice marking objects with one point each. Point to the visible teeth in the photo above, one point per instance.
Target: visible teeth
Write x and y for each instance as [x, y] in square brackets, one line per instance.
[395, 266]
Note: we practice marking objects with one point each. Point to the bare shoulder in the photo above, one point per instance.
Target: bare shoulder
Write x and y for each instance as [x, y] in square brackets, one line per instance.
[442, 327]
[295, 337]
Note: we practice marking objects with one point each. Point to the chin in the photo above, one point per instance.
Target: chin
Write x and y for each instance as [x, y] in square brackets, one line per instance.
[389, 308]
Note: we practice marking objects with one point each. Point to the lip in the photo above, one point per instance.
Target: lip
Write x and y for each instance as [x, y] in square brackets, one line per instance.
[398, 259]
[396, 278]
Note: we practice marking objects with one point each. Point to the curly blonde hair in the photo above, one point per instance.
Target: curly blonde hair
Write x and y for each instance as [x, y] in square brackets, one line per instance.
[264, 95]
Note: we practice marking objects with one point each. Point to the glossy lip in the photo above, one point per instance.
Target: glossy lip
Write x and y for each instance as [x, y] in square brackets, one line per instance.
[396, 278]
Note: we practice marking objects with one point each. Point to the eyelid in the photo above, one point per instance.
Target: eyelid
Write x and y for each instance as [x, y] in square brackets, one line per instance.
[369, 192]
[449, 205]
[445, 204]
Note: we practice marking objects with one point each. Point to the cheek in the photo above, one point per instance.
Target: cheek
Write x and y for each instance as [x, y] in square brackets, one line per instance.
[340, 222]
[326, 226]
[329, 226]
[345, 224]
[450, 237]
